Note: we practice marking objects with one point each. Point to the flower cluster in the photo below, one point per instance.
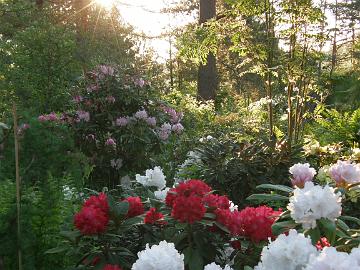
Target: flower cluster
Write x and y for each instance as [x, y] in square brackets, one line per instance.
[331, 259]
[52, 117]
[291, 252]
[186, 200]
[252, 222]
[135, 207]
[345, 172]
[314, 202]
[159, 257]
[301, 173]
[153, 217]
[94, 215]
[152, 178]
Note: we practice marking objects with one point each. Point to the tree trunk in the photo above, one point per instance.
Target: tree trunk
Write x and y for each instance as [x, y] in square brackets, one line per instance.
[207, 75]
[334, 45]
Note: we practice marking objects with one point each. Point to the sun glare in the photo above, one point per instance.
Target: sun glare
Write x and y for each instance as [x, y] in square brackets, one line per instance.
[107, 4]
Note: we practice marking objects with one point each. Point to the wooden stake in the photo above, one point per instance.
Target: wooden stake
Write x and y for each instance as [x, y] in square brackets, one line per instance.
[17, 173]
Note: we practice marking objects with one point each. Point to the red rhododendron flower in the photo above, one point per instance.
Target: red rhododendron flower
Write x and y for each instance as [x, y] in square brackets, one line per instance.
[192, 187]
[170, 197]
[323, 242]
[216, 201]
[99, 201]
[224, 217]
[188, 209]
[153, 217]
[135, 207]
[256, 222]
[91, 220]
[111, 267]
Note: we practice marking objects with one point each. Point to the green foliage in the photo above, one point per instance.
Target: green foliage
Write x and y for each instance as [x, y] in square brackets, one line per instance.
[43, 211]
[332, 126]
[236, 168]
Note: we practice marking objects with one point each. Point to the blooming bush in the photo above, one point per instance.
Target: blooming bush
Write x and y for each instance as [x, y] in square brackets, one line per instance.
[119, 123]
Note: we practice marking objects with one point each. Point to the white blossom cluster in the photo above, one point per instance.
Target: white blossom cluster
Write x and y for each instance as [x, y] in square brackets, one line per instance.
[214, 266]
[291, 252]
[152, 178]
[159, 257]
[295, 252]
[314, 202]
[331, 259]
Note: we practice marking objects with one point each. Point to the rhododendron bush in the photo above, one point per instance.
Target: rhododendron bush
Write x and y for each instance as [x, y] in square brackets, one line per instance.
[118, 122]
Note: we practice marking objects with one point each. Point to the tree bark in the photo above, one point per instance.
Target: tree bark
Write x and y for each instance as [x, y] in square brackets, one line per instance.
[207, 74]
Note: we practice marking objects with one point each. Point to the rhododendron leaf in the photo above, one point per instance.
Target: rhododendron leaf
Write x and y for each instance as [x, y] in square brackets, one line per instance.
[70, 235]
[120, 209]
[283, 226]
[210, 215]
[3, 126]
[246, 267]
[352, 219]
[56, 250]
[329, 229]
[276, 187]
[267, 197]
[314, 234]
[342, 225]
[132, 221]
[222, 227]
[195, 261]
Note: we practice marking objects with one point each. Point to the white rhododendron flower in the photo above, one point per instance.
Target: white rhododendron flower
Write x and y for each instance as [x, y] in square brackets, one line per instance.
[331, 259]
[214, 266]
[301, 173]
[314, 202]
[345, 171]
[233, 206]
[161, 194]
[152, 178]
[159, 257]
[291, 252]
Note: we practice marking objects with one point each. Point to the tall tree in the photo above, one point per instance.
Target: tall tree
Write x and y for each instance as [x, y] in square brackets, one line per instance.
[207, 74]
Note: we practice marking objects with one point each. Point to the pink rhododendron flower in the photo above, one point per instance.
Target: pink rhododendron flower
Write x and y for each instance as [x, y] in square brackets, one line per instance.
[165, 131]
[177, 128]
[106, 70]
[345, 172]
[122, 122]
[92, 88]
[77, 99]
[110, 142]
[139, 82]
[82, 115]
[301, 173]
[52, 117]
[42, 118]
[111, 267]
[151, 121]
[141, 115]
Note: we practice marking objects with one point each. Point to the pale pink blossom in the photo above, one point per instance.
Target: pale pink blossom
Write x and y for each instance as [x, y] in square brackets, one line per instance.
[42, 118]
[110, 142]
[122, 122]
[345, 172]
[165, 131]
[151, 121]
[106, 70]
[141, 115]
[82, 115]
[177, 128]
[77, 99]
[301, 173]
[139, 82]
[52, 117]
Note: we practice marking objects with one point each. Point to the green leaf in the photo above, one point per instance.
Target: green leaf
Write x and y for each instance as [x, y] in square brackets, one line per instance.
[56, 250]
[314, 234]
[120, 209]
[283, 226]
[276, 187]
[329, 229]
[246, 267]
[195, 261]
[3, 126]
[70, 235]
[267, 197]
[349, 218]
